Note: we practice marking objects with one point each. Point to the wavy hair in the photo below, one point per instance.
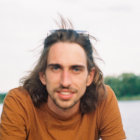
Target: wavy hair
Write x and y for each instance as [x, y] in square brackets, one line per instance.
[94, 93]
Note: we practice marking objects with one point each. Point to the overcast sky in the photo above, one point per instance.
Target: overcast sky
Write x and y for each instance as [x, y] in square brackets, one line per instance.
[25, 23]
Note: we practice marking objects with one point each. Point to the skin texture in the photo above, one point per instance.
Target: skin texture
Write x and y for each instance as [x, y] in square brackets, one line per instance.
[66, 77]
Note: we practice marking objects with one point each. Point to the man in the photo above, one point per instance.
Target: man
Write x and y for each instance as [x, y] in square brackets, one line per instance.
[64, 97]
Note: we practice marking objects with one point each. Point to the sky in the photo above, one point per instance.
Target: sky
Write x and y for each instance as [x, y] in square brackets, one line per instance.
[25, 24]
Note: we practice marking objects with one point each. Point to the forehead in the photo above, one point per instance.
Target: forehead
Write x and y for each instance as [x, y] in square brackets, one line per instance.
[66, 53]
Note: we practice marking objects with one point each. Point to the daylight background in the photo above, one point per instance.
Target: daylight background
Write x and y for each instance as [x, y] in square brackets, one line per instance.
[115, 23]
[25, 23]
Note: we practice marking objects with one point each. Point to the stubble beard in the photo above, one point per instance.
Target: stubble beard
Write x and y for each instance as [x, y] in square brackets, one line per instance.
[68, 107]
[65, 108]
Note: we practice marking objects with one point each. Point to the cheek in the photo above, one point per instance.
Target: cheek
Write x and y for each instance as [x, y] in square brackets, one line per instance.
[81, 79]
[52, 79]
[81, 89]
[80, 83]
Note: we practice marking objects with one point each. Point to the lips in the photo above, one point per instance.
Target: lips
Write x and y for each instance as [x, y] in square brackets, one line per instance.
[65, 95]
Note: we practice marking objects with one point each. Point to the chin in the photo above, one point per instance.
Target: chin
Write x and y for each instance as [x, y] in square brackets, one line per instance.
[66, 106]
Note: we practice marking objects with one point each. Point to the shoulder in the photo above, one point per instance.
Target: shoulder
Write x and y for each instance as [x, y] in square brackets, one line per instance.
[109, 118]
[109, 103]
[110, 95]
[17, 103]
[16, 113]
[17, 97]
[18, 93]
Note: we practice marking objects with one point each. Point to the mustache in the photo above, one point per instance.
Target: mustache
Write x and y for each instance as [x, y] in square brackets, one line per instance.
[59, 89]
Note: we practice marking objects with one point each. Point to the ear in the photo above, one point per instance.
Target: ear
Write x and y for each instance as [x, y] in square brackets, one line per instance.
[42, 78]
[90, 76]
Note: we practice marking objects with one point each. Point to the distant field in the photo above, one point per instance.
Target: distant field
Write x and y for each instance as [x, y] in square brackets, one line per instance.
[137, 97]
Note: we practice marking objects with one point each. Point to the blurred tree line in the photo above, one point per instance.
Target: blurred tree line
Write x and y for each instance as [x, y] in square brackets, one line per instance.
[126, 84]
[2, 96]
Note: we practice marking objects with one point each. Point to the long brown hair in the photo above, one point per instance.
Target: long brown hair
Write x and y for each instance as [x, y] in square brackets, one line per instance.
[94, 93]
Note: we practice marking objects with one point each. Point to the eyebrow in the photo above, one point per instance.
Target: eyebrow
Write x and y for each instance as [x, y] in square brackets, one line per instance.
[52, 65]
[79, 66]
[59, 65]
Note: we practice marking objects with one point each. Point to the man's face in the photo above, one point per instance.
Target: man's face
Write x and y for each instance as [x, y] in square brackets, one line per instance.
[66, 76]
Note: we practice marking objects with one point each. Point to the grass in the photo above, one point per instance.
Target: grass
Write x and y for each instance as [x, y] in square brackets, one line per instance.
[127, 98]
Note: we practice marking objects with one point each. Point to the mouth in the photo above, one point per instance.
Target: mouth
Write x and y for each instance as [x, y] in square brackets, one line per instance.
[65, 95]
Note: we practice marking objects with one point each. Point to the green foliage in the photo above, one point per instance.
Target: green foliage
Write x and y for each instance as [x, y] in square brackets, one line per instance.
[2, 96]
[124, 85]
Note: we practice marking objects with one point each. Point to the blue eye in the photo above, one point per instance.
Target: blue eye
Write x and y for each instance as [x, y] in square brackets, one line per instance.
[77, 69]
[54, 67]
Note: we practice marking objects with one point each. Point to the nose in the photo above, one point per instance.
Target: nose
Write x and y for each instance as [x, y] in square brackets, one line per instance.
[65, 79]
